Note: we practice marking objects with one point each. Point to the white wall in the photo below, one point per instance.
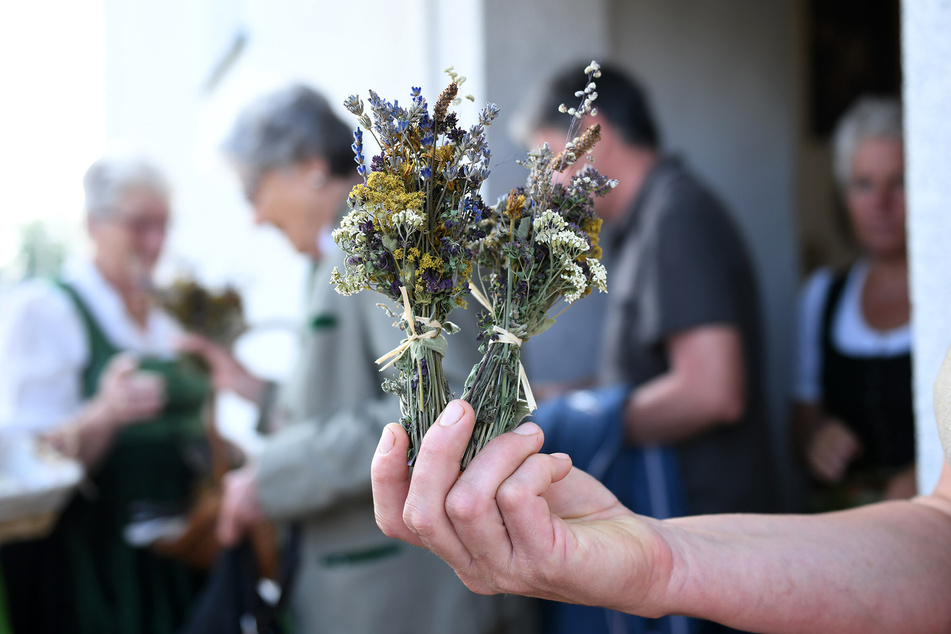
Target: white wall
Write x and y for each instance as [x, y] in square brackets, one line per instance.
[926, 62]
[52, 124]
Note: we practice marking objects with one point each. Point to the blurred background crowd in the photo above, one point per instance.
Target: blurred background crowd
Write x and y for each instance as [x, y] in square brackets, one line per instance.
[753, 353]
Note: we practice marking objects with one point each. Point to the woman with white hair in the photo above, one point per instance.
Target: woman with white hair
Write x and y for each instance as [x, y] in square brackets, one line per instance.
[88, 359]
[853, 381]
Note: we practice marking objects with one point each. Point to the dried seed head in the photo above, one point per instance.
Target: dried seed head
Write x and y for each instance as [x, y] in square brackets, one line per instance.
[442, 104]
[578, 147]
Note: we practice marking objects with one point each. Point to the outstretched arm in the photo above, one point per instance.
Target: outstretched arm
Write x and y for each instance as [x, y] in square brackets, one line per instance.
[521, 522]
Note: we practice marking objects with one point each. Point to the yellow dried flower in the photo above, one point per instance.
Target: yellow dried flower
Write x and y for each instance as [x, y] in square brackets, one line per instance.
[515, 205]
[430, 262]
[444, 153]
[383, 194]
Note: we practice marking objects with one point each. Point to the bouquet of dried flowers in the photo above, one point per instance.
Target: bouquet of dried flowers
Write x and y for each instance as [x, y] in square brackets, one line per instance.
[409, 232]
[217, 316]
[539, 254]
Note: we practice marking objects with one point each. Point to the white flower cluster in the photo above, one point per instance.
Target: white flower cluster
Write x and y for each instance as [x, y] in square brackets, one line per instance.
[355, 281]
[599, 275]
[587, 96]
[408, 218]
[574, 278]
[551, 229]
[349, 230]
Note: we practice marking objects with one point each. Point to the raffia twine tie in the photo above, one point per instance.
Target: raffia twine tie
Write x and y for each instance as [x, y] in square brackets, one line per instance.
[506, 337]
[397, 352]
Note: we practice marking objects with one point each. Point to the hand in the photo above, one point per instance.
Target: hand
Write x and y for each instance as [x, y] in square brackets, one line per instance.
[127, 394]
[516, 521]
[240, 507]
[227, 373]
[831, 448]
[902, 485]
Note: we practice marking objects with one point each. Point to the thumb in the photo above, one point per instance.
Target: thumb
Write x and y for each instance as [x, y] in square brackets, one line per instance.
[123, 364]
[225, 527]
[190, 342]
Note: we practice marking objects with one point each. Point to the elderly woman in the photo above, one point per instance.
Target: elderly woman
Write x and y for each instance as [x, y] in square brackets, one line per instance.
[88, 360]
[293, 156]
[853, 383]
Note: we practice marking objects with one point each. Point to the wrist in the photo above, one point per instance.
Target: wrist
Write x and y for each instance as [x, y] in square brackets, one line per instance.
[99, 415]
[629, 421]
[246, 385]
[682, 583]
[658, 573]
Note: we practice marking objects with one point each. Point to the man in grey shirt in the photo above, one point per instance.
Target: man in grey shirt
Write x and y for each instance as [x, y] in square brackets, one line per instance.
[682, 317]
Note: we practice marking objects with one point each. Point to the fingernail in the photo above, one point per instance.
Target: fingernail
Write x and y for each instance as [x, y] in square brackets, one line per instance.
[561, 456]
[387, 440]
[527, 429]
[451, 415]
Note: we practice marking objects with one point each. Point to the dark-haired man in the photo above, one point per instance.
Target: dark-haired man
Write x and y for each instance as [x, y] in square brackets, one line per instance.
[682, 321]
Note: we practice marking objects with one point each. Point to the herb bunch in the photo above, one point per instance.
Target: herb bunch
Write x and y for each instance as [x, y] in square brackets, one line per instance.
[409, 233]
[540, 253]
[217, 316]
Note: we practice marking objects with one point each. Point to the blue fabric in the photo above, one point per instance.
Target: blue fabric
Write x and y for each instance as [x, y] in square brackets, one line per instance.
[586, 425]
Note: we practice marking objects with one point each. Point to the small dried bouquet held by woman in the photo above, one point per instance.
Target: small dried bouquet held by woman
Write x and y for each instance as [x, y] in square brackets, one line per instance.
[409, 232]
[540, 254]
[216, 315]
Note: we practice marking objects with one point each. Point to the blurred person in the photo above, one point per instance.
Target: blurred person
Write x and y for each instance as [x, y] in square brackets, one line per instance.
[89, 360]
[294, 159]
[854, 410]
[680, 329]
[517, 521]
[681, 326]
[682, 323]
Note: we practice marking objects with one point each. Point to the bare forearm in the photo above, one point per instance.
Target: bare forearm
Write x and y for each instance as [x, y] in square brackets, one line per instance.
[88, 435]
[705, 386]
[837, 572]
[666, 410]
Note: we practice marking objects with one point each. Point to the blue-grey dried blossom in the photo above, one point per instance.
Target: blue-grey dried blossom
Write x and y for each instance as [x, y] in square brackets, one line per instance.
[488, 114]
[354, 104]
[357, 148]
[451, 171]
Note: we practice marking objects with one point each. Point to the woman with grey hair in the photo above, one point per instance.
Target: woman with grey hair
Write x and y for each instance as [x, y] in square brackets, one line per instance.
[853, 381]
[89, 361]
[295, 162]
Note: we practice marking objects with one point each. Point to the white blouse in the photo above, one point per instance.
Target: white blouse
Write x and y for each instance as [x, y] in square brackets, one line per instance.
[44, 347]
[851, 334]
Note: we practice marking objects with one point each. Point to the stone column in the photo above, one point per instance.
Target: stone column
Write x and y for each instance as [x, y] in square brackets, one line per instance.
[926, 61]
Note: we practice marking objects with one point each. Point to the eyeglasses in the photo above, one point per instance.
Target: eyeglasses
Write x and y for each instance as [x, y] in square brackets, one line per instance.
[141, 225]
[870, 187]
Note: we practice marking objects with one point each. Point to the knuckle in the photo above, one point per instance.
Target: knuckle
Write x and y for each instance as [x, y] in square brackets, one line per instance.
[418, 521]
[478, 586]
[385, 526]
[464, 503]
[511, 495]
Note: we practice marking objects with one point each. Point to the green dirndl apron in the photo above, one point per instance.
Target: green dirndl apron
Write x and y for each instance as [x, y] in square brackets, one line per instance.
[4, 625]
[106, 586]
